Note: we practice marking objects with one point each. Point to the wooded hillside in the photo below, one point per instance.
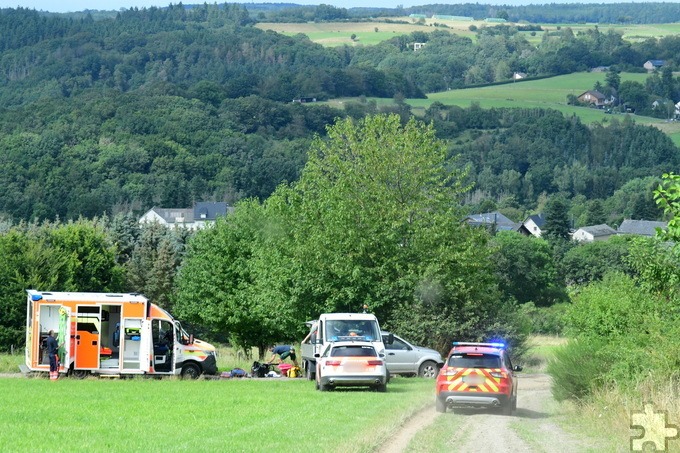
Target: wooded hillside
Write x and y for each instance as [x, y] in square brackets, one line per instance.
[167, 106]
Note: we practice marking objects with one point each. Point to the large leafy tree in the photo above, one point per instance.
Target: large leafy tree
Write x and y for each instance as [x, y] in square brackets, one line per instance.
[373, 220]
[224, 282]
[526, 269]
[374, 217]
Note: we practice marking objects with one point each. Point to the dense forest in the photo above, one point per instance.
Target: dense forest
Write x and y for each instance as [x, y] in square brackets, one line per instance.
[167, 106]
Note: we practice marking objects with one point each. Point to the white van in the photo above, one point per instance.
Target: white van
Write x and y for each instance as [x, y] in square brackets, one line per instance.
[333, 327]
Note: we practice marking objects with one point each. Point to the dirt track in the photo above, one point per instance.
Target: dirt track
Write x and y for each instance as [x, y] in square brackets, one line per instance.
[531, 429]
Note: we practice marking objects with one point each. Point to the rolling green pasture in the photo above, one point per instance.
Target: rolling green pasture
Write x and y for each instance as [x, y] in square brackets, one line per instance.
[167, 415]
[333, 34]
[545, 93]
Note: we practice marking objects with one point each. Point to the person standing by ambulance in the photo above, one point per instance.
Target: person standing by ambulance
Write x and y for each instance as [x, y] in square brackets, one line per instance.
[52, 349]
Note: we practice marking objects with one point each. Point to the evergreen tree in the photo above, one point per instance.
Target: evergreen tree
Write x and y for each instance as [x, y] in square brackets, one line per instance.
[557, 225]
[595, 214]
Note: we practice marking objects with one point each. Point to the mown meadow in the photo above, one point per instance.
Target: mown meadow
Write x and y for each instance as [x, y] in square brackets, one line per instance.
[216, 415]
[548, 93]
[331, 34]
[266, 414]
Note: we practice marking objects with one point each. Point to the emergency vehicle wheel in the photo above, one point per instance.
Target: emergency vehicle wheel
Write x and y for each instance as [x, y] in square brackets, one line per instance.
[308, 371]
[190, 371]
[439, 405]
[507, 409]
[77, 374]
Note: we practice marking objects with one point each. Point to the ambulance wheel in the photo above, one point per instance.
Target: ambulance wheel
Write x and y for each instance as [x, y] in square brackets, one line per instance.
[190, 371]
[78, 374]
[439, 405]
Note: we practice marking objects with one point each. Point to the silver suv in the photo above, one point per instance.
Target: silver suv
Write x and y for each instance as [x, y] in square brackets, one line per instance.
[404, 358]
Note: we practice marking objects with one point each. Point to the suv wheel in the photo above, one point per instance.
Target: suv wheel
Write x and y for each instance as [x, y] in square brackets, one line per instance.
[428, 370]
[439, 405]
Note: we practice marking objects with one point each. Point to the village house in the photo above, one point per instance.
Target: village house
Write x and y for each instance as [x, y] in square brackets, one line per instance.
[593, 97]
[593, 233]
[653, 65]
[200, 216]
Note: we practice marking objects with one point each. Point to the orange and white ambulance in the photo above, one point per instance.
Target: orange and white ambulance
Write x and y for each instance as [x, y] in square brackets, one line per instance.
[111, 334]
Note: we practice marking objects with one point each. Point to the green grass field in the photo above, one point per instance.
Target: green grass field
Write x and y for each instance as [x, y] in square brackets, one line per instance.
[204, 415]
[545, 93]
[333, 34]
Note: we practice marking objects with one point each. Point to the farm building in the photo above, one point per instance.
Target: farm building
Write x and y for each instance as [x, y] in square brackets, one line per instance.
[593, 233]
[652, 65]
[447, 17]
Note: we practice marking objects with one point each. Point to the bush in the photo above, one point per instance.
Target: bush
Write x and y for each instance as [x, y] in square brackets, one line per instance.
[578, 368]
[611, 309]
[623, 334]
[545, 320]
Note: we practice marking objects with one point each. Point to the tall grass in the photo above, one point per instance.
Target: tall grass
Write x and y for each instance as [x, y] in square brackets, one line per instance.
[608, 413]
[10, 363]
[205, 415]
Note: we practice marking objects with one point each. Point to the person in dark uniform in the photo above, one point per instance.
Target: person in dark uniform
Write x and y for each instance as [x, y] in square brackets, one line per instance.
[52, 348]
[283, 351]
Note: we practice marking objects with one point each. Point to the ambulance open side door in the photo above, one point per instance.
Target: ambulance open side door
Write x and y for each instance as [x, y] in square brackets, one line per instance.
[65, 339]
[146, 346]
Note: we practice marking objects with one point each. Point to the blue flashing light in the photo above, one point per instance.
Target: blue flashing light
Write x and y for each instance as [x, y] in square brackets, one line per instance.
[36, 297]
[498, 345]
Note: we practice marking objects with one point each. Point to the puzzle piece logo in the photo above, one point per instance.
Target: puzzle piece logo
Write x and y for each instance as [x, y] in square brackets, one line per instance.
[654, 430]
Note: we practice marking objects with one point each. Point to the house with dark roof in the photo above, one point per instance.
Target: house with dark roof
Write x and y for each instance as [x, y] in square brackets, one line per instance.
[652, 65]
[533, 225]
[593, 97]
[640, 227]
[494, 220]
[202, 214]
[593, 233]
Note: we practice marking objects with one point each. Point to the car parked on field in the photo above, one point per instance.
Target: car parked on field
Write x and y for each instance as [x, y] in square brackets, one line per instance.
[477, 375]
[405, 358]
[351, 363]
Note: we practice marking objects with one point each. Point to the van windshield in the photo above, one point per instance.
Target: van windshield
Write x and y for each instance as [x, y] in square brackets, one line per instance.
[338, 329]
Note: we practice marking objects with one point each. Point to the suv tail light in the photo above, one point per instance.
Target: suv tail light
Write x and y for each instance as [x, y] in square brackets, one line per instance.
[499, 374]
[333, 362]
[446, 371]
[375, 362]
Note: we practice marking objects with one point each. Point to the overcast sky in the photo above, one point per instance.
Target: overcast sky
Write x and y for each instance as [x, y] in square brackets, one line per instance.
[63, 6]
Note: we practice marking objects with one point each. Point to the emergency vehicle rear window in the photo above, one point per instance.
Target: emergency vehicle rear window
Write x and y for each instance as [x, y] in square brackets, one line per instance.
[353, 351]
[474, 360]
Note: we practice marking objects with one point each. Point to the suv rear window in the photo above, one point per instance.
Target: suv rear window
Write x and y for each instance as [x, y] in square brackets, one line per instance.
[353, 351]
[474, 360]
